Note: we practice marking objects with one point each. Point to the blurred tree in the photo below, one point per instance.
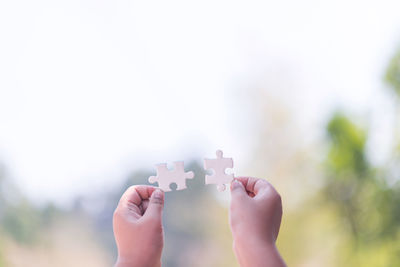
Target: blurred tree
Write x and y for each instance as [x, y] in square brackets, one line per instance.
[22, 221]
[393, 73]
[18, 218]
[367, 198]
[367, 205]
[347, 168]
[2, 198]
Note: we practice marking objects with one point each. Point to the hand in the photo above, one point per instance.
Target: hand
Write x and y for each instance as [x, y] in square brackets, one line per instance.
[138, 227]
[255, 218]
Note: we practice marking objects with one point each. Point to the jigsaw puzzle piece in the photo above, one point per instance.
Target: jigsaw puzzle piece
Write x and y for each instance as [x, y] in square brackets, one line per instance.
[166, 177]
[162, 174]
[181, 175]
[219, 165]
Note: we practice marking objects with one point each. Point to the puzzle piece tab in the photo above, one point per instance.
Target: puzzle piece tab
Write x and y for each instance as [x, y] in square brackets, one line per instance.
[219, 177]
[166, 177]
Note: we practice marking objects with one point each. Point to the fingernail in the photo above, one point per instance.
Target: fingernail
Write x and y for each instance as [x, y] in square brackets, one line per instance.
[158, 193]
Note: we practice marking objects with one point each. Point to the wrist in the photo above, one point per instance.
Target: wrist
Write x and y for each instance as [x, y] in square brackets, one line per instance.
[249, 246]
[126, 262]
[257, 252]
[247, 240]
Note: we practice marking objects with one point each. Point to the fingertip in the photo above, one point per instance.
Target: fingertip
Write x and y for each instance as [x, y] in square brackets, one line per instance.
[237, 189]
[236, 184]
[242, 180]
[158, 194]
[157, 197]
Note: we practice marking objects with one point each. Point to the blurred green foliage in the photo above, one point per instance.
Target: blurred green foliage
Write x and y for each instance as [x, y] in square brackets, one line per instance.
[19, 218]
[22, 222]
[393, 73]
[347, 152]
[2, 258]
[367, 205]
[2, 206]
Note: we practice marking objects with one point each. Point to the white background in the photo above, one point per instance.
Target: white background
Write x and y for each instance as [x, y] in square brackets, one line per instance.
[90, 90]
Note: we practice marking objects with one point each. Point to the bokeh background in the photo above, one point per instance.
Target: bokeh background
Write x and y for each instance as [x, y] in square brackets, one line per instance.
[302, 93]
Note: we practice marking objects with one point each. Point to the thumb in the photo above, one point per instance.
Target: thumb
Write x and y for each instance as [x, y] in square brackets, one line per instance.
[237, 190]
[156, 204]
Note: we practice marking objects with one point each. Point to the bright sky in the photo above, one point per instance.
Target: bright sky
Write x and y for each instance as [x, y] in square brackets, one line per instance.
[88, 87]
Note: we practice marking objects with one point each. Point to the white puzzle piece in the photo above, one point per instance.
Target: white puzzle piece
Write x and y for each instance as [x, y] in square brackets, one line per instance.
[219, 177]
[166, 177]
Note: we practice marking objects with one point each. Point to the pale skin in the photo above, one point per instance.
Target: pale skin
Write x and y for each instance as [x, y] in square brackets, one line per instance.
[254, 216]
[138, 227]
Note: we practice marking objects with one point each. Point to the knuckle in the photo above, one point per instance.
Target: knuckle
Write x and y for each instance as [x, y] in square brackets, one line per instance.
[128, 191]
[131, 188]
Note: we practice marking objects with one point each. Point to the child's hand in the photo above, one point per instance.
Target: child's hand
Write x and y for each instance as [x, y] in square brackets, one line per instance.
[138, 228]
[255, 218]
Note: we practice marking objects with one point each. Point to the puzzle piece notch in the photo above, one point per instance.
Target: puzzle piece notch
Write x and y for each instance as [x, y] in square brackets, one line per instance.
[219, 165]
[166, 177]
